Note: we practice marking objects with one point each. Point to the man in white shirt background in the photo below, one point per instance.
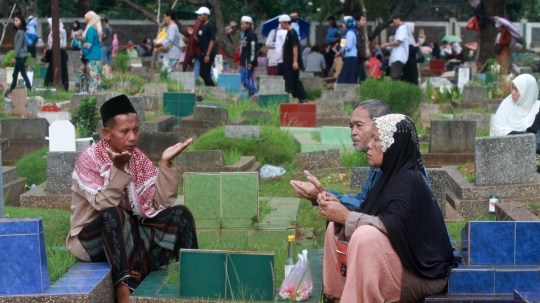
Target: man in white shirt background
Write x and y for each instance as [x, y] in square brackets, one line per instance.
[400, 47]
[280, 41]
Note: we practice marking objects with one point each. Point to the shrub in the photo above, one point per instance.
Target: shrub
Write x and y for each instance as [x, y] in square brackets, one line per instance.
[274, 147]
[86, 117]
[314, 93]
[7, 60]
[121, 61]
[403, 98]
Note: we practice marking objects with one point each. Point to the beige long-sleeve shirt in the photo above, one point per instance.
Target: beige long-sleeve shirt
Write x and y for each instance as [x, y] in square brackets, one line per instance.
[85, 207]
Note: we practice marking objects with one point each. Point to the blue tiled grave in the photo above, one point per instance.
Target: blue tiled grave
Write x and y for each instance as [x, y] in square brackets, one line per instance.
[231, 82]
[501, 243]
[527, 295]
[24, 261]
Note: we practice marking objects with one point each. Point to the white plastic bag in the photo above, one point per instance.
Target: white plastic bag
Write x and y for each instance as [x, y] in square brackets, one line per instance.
[270, 171]
[298, 285]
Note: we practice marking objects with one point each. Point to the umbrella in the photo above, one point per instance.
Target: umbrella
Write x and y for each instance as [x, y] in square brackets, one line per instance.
[273, 23]
[449, 38]
[514, 31]
[472, 46]
[474, 3]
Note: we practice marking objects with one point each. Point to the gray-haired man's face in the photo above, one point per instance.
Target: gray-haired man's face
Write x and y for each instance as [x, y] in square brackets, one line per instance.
[361, 125]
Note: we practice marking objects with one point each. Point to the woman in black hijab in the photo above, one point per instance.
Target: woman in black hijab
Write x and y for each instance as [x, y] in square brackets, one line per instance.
[398, 249]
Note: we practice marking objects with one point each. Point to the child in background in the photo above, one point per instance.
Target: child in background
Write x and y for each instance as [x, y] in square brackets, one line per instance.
[375, 70]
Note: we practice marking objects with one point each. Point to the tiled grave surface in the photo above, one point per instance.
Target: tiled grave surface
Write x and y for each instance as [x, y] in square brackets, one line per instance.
[299, 115]
[330, 138]
[231, 82]
[522, 295]
[24, 261]
[222, 199]
[179, 105]
[269, 100]
[153, 288]
[516, 243]
[459, 298]
[84, 282]
[489, 279]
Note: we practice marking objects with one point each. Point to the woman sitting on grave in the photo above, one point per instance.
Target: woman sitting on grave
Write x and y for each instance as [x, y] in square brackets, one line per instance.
[121, 208]
[518, 113]
[396, 247]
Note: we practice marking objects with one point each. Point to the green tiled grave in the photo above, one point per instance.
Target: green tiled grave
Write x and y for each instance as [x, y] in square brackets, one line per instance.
[228, 200]
[336, 135]
[265, 100]
[203, 273]
[307, 144]
[250, 276]
[179, 105]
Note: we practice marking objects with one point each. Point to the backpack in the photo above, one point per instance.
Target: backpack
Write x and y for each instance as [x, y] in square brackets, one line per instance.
[31, 39]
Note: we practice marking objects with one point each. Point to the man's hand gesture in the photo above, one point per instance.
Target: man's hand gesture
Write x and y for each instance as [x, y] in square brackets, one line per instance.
[119, 159]
[170, 153]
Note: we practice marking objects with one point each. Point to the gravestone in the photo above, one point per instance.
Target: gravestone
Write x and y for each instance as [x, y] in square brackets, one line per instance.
[269, 86]
[25, 136]
[452, 136]
[331, 113]
[19, 102]
[60, 167]
[186, 79]
[32, 106]
[298, 114]
[242, 131]
[138, 104]
[160, 124]
[213, 92]
[101, 97]
[505, 160]
[437, 179]
[54, 116]
[318, 160]
[204, 113]
[155, 89]
[203, 158]
[359, 176]
[179, 105]
[83, 143]
[464, 75]
[338, 95]
[336, 135]
[351, 88]
[474, 94]
[483, 121]
[203, 119]
[231, 82]
[62, 137]
[312, 82]
[257, 114]
[218, 63]
[153, 144]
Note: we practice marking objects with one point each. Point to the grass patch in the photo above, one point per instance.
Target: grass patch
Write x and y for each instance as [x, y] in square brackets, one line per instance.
[232, 156]
[424, 148]
[351, 158]
[348, 109]
[316, 135]
[155, 115]
[59, 96]
[273, 147]
[33, 167]
[421, 129]
[467, 170]
[454, 228]
[264, 209]
[480, 110]
[314, 93]
[56, 229]
[482, 132]
[136, 81]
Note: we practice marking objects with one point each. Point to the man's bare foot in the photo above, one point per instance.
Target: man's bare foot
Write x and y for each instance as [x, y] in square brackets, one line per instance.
[122, 293]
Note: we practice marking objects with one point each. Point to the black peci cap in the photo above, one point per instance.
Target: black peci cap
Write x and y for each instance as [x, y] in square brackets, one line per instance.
[118, 105]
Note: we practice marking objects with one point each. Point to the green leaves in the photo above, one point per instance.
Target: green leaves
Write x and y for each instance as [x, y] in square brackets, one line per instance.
[86, 117]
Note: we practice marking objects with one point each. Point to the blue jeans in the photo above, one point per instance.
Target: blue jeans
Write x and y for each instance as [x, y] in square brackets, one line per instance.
[106, 56]
[197, 70]
[20, 68]
[247, 80]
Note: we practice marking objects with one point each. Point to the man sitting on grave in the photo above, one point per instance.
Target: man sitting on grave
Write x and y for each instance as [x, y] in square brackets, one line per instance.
[121, 203]
[361, 124]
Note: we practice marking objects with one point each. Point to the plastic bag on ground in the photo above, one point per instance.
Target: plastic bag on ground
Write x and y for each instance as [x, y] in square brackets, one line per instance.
[270, 171]
[298, 285]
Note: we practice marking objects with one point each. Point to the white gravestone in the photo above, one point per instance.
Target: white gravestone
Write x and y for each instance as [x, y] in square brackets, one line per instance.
[464, 77]
[218, 61]
[62, 136]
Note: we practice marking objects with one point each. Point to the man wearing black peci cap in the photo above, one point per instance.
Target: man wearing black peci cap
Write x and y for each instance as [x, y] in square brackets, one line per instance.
[400, 47]
[121, 203]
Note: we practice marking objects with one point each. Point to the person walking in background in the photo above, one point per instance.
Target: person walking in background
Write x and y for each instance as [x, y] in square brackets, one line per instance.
[400, 47]
[107, 41]
[271, 53]
[83, 77]
[292, 61]
[361, 46]
[19, 54]
[49, 77]
[446, 51]
[375, 69]
[502, 44]
[235, 33]
[281, 34]
[332, 35]
[294, 24]
[410, 70]
[349, 72]
[248, 56]
[92, 50]
[169, 48]
[206, 36]
[76, 33]
[115, 46]
[144, 50]
[31, 34]
[315, 62]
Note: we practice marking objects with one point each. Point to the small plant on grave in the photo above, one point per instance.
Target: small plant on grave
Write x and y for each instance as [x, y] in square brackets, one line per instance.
[7, 60]
[121, 61]
[314, 93]
[316, 136]
[429, 91]
[163, 74]
[467, 170]
[86, 118]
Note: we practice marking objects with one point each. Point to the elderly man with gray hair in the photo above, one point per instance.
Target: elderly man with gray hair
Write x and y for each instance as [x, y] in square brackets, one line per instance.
[248, 56]
[361, 124]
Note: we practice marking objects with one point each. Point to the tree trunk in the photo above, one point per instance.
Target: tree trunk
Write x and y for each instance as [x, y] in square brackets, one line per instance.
[83, 7]
[488, 34]
[221, 36]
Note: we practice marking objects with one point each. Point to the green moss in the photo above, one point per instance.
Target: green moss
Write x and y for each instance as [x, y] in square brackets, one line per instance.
[33, 167]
